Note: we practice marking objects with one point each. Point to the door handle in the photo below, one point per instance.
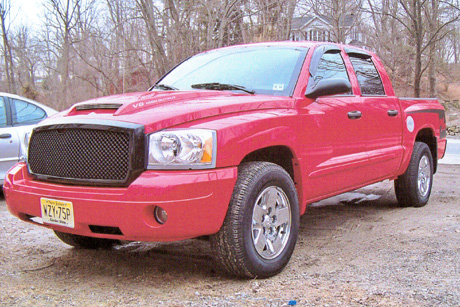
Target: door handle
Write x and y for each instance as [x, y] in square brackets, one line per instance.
[354, 115]
[392, 113]
[5, 136]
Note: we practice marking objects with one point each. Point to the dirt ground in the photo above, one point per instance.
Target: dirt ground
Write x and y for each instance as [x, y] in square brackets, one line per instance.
[357, 249]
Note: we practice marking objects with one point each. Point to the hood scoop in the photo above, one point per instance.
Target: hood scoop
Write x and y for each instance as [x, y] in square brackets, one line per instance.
[98, 106]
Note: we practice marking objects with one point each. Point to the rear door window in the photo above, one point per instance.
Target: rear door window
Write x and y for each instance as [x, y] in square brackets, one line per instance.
[368, 77]
[25, 113]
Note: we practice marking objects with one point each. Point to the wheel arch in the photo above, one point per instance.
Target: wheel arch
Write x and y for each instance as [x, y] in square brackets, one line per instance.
[427, 136]
[285, 157]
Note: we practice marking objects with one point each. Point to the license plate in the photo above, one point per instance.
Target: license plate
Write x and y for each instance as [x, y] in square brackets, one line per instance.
[57, 212]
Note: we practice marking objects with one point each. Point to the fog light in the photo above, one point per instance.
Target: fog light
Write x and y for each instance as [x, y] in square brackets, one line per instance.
[160, 215]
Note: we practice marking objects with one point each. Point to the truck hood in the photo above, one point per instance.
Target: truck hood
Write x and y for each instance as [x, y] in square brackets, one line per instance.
[162, 109]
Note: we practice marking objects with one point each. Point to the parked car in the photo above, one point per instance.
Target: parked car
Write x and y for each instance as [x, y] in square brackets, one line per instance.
[18, 116]
[233, 143]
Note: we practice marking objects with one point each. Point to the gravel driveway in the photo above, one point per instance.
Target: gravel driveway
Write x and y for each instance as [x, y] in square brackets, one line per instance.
[357, 249]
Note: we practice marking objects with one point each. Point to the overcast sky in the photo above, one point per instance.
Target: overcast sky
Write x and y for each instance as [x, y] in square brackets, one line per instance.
[26, 12]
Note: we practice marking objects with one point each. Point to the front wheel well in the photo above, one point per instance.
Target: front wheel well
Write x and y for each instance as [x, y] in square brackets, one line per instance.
[427, 136]
[280, 155]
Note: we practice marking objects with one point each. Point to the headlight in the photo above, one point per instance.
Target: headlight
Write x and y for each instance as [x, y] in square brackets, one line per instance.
[182, 149]
[24, 147]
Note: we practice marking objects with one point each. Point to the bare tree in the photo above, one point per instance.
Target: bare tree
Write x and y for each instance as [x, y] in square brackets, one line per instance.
[159, 57]
[426, 23]
[451, 50]
[7, 54]
[90, 48]
[388, 38]
[216, 20]
[270, 19]
[27, 57]
[122, 45]
[64, 17]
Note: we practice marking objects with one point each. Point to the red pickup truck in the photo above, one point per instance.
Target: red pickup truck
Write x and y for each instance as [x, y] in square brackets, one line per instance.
[232, 144]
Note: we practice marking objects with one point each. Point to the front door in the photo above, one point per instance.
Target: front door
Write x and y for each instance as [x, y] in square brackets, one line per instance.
[337, 150]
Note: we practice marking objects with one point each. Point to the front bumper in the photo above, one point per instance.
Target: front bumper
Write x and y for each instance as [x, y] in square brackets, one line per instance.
[196, 203]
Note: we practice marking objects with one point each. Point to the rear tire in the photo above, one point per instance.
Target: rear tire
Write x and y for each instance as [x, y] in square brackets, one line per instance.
[413, 188]
[260, 229]
[82, 242]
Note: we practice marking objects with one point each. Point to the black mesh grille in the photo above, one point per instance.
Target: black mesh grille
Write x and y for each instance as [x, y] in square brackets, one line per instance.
[82, 154]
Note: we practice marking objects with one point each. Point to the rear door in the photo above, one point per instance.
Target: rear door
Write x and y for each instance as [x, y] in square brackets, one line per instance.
[382, 117]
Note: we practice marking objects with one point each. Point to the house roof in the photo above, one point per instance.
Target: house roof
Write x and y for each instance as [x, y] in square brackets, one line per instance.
[300, 22]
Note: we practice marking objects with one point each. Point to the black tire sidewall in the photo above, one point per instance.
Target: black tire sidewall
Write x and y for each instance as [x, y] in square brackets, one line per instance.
[406, 186]
[259, 266]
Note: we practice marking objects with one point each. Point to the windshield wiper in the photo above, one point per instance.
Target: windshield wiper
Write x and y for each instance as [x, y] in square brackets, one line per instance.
[165, 87]
[222, 87]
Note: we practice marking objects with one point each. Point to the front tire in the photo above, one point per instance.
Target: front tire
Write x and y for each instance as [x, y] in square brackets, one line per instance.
[83, 242]
[413, 188]
[260, 229]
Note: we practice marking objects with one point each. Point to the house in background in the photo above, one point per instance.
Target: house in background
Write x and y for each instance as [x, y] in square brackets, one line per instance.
[320, 28]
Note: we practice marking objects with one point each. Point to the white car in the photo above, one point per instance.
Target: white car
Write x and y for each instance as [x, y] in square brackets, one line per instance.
[18, 116]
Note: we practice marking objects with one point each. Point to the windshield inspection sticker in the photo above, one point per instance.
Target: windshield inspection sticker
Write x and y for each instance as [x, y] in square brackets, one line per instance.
[278, 87]
[410, 124]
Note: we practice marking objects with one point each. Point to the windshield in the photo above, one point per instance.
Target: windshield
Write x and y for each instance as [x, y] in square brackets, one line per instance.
[262, 70]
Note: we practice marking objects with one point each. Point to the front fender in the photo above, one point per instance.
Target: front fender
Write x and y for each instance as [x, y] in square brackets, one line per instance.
[241, 134]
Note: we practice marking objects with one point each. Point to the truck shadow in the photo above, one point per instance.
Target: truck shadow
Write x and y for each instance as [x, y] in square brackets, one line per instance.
[193, 259]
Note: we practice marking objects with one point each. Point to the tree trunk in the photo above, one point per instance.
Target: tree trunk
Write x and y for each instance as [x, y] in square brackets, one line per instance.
[418, 27]
[418, 71]
[433, 26]
[8, 57]
[158, 53]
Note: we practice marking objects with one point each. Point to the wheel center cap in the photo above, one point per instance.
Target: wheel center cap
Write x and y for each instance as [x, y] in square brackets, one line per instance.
[267, 221]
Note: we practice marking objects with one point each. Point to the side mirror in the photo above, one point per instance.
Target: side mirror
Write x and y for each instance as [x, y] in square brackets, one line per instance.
[328, 87]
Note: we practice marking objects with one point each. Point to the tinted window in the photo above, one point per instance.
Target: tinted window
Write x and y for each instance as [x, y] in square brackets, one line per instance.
[26, 113]
[331, 66]
[368, 76]
[2, 113]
